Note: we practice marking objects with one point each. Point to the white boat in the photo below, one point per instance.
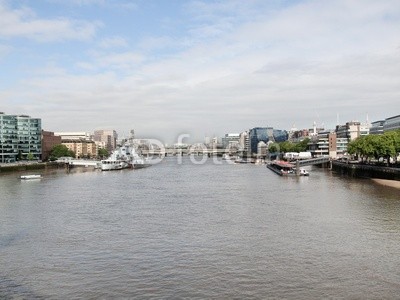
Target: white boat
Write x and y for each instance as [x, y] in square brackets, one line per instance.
[110, 164]
[304, 172]
[138, 162]
[118, 160]
[124, 157]
[30, 176]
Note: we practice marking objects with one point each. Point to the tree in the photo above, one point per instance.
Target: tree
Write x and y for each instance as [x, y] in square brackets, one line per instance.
[286, 146]
[384, 146]
[60, 151]
[30, 156]
[273, 148]
[102, 152]
[364, 147]
[301, 146]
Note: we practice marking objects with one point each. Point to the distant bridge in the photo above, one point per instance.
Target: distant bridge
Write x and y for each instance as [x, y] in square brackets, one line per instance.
[172, 151]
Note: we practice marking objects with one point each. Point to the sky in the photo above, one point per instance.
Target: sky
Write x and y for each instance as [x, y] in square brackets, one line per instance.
[203, 68]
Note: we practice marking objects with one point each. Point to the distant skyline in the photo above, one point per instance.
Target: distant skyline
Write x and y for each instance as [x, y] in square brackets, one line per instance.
[204, 68]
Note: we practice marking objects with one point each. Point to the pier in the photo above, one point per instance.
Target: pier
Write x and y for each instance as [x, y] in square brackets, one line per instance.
[83, 163]
[313, 161]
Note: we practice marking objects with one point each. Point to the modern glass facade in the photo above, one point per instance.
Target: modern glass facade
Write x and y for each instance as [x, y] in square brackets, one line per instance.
[8, 138]
[266, 134]
[20, 138]
[377, 127]
[259, 134]
[280, 135]
[392, 123]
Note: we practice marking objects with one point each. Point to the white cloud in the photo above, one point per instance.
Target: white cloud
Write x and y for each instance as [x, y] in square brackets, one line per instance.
[123, 61]
[155, 43]
[113, 42]
[4, 51]
[116, 4]
[298, 64]
[24, 23]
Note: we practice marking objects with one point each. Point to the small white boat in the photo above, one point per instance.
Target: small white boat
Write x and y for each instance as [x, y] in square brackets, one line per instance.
[304, 172]
[30, 176]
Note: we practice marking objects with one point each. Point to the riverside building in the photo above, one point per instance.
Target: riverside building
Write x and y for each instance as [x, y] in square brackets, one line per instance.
[108, 138]
[377, 127]
[20, 138]
[352, 130]
[265, 134]
[231, 140]
[81, 147]
[392, 123]
[78, 135]
[49, 140]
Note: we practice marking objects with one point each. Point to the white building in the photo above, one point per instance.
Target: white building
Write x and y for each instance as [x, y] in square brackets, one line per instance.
[74, 135]
[352, 130]
[231, 140]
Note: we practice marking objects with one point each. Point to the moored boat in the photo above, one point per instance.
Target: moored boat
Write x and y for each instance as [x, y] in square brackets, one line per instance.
[139, 162]
[118, 160]
[283, 168]
[111, 164]
[33, 176]
[124, 157]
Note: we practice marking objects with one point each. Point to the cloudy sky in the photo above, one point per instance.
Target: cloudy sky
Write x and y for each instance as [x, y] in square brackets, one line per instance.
[168, 67]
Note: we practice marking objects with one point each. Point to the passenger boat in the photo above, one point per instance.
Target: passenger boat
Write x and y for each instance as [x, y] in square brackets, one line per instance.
[283, 168]
[26, 177]
[110, 164]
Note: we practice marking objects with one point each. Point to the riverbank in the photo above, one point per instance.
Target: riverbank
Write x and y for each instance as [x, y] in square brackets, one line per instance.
[385, 182]
[366, 171]
[17, 167]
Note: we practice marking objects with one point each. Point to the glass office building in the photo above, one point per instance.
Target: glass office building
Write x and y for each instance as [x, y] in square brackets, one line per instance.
[266, 134]
[392, 123]
[20, 138]
[8, 138]
[280, 135]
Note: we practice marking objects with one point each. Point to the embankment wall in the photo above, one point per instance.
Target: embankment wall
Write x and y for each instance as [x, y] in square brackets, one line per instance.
[366, 171]
[27, 167]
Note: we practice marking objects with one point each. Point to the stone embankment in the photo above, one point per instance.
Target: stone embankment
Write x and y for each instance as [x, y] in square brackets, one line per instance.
[28, 166]
[366, 171]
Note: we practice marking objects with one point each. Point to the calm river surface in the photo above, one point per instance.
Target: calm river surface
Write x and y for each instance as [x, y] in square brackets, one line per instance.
[198, 231]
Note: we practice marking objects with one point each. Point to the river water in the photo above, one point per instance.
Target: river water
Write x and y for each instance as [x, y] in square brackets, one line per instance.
[179, 231]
